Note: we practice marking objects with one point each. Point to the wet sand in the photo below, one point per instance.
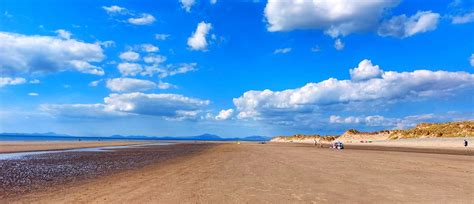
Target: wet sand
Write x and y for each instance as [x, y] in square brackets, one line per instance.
[280, 173]
[53, 171]
[52, 145]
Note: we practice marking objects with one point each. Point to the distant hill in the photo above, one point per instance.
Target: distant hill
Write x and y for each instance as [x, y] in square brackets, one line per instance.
[54, 136]
[422, 130]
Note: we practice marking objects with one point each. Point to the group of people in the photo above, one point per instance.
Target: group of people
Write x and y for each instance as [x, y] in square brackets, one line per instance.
[335, 145]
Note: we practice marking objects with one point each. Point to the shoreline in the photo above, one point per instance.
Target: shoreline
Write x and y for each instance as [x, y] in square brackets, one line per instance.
[33, 146]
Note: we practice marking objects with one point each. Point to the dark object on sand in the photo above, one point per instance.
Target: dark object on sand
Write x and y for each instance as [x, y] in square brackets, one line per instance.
[262, 142]
[338, 145]
[466, 143]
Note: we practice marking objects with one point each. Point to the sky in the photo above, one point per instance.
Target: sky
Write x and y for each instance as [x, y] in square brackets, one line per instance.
[233, 68]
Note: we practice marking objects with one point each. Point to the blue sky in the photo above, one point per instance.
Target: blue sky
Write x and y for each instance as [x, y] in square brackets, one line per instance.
[233, 68]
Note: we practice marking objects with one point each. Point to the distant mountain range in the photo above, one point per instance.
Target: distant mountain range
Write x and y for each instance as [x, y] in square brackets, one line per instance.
[52, 135]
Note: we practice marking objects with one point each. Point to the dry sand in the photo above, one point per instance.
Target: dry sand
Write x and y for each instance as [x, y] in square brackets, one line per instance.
[39, 146]
[282, 173]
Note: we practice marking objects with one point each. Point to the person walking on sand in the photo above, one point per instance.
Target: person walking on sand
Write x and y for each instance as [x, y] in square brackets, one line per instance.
[315, 142]
[466, 143]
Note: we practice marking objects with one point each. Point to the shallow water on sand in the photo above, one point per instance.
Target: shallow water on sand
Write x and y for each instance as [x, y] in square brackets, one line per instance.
[22, 155]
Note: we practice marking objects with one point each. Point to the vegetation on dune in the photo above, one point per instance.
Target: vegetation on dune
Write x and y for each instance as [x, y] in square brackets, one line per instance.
[450, 129]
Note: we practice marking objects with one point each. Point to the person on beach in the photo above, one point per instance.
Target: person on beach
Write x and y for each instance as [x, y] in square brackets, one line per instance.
[466, 143]
[315, 142]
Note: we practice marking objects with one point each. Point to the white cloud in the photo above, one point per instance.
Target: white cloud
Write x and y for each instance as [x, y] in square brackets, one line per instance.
[317, 98]
[129, 69]
[64, 34]
[165, 85]
[129, 56]
[114, 9]
[347, 120]
[178, 69]
[372, 120]
[108, 43]
[5, 81]
[33, 94]
[198, 40]
[35, 81]
[403, 26]
[150, 48]
[224, 114]
[366, 70]
[95, 83]
[80, 111]
[168, 106]
[338, 44]
[129, 85]
[162, 36]
[213, 1]
[154, 59]
[282, 50]
[22, 54]
[336, 17]
[472, 60]
[466, 18]
[144, 19]
[187, 4]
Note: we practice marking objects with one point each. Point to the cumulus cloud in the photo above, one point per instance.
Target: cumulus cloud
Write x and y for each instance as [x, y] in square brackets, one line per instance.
[22, 54]
[162, 36]
[178, 69]
[461, 19]
[187, 4]
[168, 106]
[33, 94]
[144, 19]
[150, 48]
[6, 81]
[403, 26]
[365, 70]
[338, 44]
[282, 50]
[129, 56]
[198, 40]
[80, 111]
[129, 69]
[225, 114]
[154, 59]
[372, 120]
[129, 85]
[64, 34]
[316, 98]
[114, 9]
[347, 120]
[336, 18]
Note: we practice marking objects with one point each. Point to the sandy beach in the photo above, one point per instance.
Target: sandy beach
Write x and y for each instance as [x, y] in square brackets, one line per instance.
[276, 173]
